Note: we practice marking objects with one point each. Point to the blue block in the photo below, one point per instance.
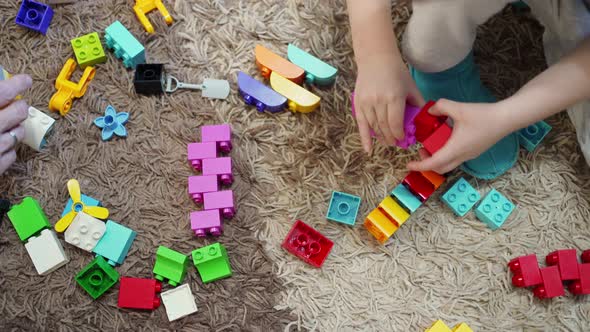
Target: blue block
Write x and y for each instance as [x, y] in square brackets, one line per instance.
[461, 197]
[343, 208]
[125, 45]
[494, 209]
[86, 200]
[531, 136]
[34, 15]
[115, 243]
[405, 198]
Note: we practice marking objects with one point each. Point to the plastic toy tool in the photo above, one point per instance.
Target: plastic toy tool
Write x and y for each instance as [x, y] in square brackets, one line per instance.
[78, 206]
[316, 71]
[269, 62]
[300, 100]
[211, 88]
[143, 7]
[256, 93]
[67, 90]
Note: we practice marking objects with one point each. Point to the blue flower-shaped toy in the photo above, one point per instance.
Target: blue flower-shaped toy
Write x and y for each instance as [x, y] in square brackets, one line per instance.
[112, 123]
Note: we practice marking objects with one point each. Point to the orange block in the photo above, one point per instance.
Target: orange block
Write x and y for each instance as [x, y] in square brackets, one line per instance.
[379, 225]
[268, 61]
[434, 178]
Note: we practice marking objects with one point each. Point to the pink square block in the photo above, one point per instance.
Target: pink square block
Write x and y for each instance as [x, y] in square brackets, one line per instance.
[198, 185]
[220, 167]
[196, 152]
[222, 200]
[207, 221]
[221, 134]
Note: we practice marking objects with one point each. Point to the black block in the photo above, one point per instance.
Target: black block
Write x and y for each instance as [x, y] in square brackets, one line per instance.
[149, 78]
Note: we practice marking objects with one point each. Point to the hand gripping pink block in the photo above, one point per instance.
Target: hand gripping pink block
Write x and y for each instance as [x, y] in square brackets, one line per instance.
[198, 185]
[221, 134]
[196, 152]
[220, 167]
[206, 221]
[222, 200]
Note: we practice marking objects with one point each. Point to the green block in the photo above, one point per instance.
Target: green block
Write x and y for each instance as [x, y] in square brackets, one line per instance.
[212, 262]
[88, 50]
[28, 218]
[97, 277]
[170, 265]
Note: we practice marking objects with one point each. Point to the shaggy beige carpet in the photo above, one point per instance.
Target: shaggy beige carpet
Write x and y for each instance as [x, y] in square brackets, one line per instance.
[286, 165]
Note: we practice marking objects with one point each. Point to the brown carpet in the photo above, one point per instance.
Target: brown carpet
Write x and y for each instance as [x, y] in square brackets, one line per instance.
[286, 166]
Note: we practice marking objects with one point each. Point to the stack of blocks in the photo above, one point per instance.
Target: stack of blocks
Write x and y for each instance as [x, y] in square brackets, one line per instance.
[440, 326]
[216, 172]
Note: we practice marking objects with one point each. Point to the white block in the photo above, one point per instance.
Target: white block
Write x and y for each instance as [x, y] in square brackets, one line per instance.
[85, 231]
[46, 252]
[179, 302]
[37, 126]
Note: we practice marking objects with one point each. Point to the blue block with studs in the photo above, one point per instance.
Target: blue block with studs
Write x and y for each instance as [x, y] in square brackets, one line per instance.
[86, 200]
[343, 208]
[531, 136]
[461, 197]
[494, 209]
[405, 198]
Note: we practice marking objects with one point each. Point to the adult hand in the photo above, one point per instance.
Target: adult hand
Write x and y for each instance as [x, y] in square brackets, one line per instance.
[382, 87]
[12, 114]
[476, 128]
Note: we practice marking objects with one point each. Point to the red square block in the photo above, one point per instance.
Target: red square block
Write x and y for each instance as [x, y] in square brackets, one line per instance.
[437, 139]
[552, 286]
[136, 293]
[419, 185]
[582, 285]
[308, 244]
[566, 261]
[525, 271]
[426, 123]
[586, 256]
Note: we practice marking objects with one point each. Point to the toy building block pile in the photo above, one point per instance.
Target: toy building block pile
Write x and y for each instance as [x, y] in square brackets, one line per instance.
[216, 172]
[440, 326]
[548, 282]
[286, 77]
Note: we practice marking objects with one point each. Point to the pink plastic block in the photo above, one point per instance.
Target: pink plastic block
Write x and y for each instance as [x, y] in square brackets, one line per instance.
[220, 167]
[198, 185]
[206, 221]
[196, 152]
[221, 134]
[222, 200]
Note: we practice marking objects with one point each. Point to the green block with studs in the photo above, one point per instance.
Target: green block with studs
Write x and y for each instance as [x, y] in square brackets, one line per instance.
[97, 277]
[212, 262]
[171, 265]
[88, 50]
[28, 218]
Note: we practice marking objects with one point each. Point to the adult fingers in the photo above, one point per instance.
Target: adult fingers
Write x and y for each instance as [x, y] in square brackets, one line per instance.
[13, 115]
[383, 124]
[12, 87]
[6, 160]
[395, 120]
[364, 130]
[7, 141]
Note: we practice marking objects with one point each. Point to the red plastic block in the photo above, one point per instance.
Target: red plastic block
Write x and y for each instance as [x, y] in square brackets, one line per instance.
[308, 244]
[136, 293]
[419, 185]
[526, 271]
[567, 263]
[586, 256]
[426, 123]
[582, 285]
[437, 139]
[552, 286]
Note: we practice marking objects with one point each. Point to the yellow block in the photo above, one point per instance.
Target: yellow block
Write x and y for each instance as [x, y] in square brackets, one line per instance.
[462, 328]
[300, 100]
[434, 178]
[380, 226]
[438, 326]
[394, 211]
[143, 7]
[67, 90]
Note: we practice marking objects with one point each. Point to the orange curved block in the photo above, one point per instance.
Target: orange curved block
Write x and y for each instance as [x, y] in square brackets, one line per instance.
[268, 62]
[67, 90]
[300, 100]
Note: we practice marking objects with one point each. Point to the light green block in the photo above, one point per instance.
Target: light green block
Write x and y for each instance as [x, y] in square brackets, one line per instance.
[170, 265]
[212, 262]
[88, 50]
[28, 218]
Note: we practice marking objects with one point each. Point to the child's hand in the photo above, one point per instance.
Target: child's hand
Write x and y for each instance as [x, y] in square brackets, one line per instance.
[382, 87]
[476, 128]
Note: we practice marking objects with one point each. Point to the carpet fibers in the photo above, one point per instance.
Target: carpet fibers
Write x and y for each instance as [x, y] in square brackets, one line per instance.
[285, 167]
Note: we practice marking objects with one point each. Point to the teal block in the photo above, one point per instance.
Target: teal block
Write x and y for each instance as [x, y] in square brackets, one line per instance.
[115, 243]
[531, 136]
[461, 197]
[125, 45]
[405, 198]
[494, 209]
[343, 208]
[86, 200]
[316, 71]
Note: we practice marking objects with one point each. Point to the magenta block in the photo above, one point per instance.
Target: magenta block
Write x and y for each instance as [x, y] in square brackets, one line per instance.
[220, 134]
[222, 200]
[220, 167]
[200, 184]
[206, 221]
[196, 152]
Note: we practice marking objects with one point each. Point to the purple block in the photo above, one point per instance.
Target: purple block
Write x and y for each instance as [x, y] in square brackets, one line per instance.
[206, 221]
[196, 152]
[34, 15]
[198, 185]
[220, 167]
[221, 134]
[256, 93]
[222, 200]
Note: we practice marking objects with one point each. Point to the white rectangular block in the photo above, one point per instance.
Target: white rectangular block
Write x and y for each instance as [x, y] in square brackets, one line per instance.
[37, 126]
[179, 302]
[85, 231]
[46, 252]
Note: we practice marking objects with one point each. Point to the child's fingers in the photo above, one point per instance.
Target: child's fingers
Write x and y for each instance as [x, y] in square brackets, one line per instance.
[444, 107]
[383, 124]
[12, 87]
[364, 130]
[441, 162]
[415, 97]
[395, 121]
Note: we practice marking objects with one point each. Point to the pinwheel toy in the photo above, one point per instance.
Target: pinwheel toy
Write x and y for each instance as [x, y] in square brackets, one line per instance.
[78, 206]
